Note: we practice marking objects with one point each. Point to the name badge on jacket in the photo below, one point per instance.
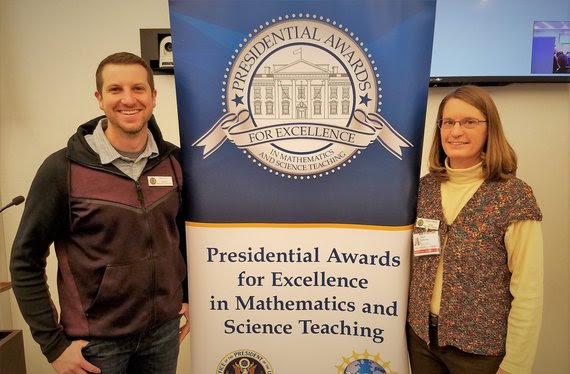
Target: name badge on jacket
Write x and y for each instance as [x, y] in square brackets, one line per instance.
[160, 181]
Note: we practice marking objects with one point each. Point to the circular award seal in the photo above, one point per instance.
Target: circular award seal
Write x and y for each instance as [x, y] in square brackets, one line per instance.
[302, 98]
[244, 361]
[364, 363]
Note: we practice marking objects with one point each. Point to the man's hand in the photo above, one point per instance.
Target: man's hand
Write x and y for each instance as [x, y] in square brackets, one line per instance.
[184, 329]
[501, 371]
[71, 361]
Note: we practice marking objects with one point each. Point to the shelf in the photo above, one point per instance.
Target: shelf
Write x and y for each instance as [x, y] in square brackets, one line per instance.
[5, 286]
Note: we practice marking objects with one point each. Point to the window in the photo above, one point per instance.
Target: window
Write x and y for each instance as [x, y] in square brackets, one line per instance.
[285, 107]
[257, 107]
[269, 92]
[333, 107]
[317, 104]
[269, 107]
[345, 106]
[345, 93]
[317, 93]
[257, 93]
[333, 92]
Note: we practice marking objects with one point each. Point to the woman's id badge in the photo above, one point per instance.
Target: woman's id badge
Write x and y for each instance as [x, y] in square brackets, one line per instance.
[427, 243]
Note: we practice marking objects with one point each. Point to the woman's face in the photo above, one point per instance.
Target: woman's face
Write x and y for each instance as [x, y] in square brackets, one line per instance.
[463, 146]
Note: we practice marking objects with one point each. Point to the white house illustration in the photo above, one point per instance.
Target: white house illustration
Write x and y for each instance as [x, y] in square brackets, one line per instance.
[300, 90]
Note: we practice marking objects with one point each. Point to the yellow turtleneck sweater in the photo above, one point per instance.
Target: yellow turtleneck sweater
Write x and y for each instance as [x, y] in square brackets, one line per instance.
[523, 241]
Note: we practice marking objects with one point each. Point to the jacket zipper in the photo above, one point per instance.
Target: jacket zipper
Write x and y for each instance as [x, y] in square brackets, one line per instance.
[151, 252]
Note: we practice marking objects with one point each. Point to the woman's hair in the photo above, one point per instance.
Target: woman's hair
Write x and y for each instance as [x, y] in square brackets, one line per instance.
[499, 158]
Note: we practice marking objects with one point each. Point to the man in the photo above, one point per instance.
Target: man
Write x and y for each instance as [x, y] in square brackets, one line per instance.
[110, 202]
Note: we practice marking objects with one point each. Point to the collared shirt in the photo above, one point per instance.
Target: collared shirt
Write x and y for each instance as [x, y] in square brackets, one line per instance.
[109, 155]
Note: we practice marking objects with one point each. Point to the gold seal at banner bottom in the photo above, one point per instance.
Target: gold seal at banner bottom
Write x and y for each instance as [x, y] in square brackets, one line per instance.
[244, 361]
[364, 363]
[302, 98]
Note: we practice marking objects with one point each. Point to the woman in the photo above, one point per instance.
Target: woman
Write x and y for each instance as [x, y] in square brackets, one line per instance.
[476, 291]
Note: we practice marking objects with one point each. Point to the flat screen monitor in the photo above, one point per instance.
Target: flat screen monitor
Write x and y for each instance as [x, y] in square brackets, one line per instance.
[499, 41]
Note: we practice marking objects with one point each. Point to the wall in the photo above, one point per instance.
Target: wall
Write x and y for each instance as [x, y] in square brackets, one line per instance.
[47, 78]
[555, 33]
[46, 90]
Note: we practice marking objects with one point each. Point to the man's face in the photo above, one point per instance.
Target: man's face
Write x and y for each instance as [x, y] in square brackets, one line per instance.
[126, 98]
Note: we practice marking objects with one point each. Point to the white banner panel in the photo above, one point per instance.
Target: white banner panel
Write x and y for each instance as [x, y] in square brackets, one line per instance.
[319, 298]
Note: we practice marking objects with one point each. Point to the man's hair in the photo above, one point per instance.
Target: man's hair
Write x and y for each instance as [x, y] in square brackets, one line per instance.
[122, 58]
[499, 158]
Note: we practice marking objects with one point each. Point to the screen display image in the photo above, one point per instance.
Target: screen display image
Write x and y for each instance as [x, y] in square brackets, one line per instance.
[495, 41]
[551, 47]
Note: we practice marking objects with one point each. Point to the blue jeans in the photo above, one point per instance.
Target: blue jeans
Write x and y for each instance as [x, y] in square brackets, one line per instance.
[154, 351]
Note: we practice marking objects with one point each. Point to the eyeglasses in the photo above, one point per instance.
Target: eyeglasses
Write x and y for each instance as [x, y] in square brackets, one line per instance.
[467, 123]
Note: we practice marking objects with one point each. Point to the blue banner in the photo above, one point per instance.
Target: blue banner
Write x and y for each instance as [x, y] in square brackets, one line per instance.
[301, 124]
